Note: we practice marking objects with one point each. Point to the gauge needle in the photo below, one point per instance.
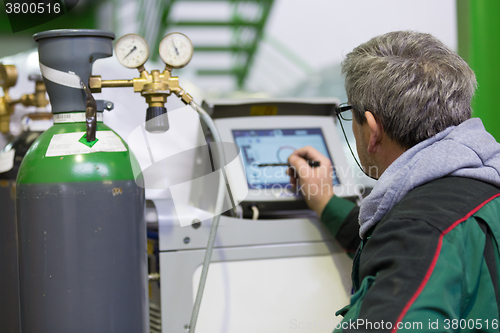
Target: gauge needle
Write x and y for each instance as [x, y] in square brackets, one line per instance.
[133, 49]
[176, 51]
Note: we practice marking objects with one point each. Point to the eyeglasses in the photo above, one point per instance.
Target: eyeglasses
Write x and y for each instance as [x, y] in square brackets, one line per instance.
[344, 111]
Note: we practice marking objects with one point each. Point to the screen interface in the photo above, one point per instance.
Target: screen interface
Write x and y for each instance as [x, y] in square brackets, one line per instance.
[260, 148]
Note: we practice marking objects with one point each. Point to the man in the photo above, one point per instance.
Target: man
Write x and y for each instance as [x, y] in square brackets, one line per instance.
[427, 252]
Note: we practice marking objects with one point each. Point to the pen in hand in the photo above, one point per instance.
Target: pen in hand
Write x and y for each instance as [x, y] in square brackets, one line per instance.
[312, 164]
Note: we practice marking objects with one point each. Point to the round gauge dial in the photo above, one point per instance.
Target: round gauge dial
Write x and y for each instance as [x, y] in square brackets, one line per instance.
[176, 50]
[132, 51]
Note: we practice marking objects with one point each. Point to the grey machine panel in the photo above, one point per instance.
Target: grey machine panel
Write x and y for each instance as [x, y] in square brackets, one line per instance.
[264, 107]
[235, 232]
[182, 250]
[177, 284]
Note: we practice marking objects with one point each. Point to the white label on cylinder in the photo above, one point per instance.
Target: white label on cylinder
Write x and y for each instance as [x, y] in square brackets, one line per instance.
[77, 117]
[69, 144]
[7, 160]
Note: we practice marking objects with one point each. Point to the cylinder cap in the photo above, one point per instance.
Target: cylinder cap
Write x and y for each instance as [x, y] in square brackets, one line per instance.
[72, 33]
[66, 57]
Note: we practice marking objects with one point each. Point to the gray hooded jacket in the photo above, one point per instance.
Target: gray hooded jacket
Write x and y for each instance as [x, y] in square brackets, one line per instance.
[466, 150]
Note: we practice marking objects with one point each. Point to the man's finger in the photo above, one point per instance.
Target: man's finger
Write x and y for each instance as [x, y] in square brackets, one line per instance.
[297, 162]
[311, 154]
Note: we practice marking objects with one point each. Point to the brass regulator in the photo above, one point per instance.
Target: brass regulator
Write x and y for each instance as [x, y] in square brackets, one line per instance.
[132, 51]
[8, 79]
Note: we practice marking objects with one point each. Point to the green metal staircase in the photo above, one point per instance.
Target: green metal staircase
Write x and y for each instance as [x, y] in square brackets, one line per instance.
[246, 32]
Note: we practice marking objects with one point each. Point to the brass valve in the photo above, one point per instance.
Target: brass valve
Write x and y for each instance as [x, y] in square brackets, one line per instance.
[8, 79]
[155, 87]
[132, 52]
[38, 98]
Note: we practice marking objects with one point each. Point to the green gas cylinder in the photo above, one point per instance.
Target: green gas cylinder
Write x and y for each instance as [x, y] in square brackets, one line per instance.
[80, 214]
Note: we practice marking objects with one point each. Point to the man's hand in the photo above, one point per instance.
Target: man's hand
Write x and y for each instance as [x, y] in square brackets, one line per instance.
[314, 183]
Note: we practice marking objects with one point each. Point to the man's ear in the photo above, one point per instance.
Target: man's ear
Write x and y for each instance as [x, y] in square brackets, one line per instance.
[375, 131]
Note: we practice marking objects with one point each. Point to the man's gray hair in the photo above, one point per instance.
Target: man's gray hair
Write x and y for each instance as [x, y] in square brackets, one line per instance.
[413, 83]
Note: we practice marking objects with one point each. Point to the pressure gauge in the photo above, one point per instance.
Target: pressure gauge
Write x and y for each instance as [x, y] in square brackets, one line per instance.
[132, 51]
[176, 50]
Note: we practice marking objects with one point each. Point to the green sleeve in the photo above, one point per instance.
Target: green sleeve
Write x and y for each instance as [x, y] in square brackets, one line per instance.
[335, 213]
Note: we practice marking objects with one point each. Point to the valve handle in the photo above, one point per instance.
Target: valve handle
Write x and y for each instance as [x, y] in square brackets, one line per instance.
[90, 114]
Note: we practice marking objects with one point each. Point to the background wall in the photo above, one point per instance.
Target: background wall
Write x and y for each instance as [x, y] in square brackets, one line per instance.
[297, 54]
[298, 42]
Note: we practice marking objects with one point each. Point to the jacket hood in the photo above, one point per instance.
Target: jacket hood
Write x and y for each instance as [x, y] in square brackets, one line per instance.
[466, 150]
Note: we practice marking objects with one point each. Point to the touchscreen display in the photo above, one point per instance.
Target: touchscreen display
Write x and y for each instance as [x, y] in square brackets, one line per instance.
[262, 148]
